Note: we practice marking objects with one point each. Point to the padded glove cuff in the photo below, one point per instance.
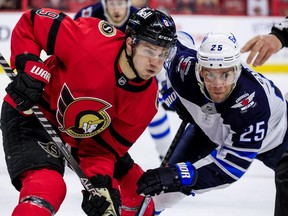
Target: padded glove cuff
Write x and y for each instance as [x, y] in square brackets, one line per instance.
[33, 66]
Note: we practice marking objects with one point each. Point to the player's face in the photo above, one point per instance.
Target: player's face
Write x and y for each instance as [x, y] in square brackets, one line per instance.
[116, 10]
[148, 59]
[218, 82]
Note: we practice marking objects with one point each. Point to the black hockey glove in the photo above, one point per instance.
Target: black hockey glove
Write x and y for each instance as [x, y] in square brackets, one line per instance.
[27, 87]
[97, 206]
[172, 101]
[180, 178]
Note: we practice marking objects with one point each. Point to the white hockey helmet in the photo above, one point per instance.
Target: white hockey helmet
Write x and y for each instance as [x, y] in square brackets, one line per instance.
[219, 50]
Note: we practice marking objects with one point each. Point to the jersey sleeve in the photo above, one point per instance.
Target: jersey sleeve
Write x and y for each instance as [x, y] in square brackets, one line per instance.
[227, 163]
[280, 30]
[84, 12]
[44, 29]
[95, 10]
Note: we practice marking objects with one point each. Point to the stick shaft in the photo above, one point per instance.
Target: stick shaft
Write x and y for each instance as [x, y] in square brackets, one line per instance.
[166, 159]
[61, 146]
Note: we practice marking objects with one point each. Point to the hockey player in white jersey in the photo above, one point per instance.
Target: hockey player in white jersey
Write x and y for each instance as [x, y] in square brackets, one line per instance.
[237, 115]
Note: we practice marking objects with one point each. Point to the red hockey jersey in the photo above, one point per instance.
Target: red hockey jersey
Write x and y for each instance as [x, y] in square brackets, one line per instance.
[94, 106]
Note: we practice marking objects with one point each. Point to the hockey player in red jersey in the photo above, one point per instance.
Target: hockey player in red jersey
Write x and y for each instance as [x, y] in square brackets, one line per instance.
[117, 12]
[99, 92]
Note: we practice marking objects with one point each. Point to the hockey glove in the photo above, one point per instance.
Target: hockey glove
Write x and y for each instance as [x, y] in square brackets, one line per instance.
[27, 87]
[172, 101]
[163, 97]
[179, 178]
[97, 206]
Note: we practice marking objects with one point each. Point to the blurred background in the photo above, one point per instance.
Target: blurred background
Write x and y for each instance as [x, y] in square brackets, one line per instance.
[197, 7]
[244, 18]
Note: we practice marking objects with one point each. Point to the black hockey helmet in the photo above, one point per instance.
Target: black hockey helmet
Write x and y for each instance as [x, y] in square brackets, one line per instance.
[152, 26]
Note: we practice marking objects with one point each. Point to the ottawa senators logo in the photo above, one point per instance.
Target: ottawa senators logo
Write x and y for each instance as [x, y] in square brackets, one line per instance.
[50, 148]
[82, 117]
[106, 28]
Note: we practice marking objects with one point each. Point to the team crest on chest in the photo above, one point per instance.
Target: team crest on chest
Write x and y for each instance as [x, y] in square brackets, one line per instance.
[245, 101]
[106, 28]
[184, 66]
[82, 117]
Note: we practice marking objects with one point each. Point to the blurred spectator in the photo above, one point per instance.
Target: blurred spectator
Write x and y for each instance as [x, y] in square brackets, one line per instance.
[163, 5]
[234, 7]
[10, 4]
[205, 7]
[280, 8]
[258, 7]
[139, 3]
[186, 6]
[58, 4]
[36, 3]
[76, 5]
[208, 6]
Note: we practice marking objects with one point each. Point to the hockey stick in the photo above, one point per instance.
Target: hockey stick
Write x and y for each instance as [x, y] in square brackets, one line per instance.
[63, 149]
[164, 162]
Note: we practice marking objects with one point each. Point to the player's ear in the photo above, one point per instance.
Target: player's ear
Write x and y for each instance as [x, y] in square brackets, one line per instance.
[129, 45]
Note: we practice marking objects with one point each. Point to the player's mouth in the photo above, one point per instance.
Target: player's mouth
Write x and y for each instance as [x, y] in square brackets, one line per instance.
[152, 72]
[116, 16]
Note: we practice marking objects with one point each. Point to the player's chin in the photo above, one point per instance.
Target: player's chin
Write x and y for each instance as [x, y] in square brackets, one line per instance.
[147, 76]
[117, 19]
[218, 98]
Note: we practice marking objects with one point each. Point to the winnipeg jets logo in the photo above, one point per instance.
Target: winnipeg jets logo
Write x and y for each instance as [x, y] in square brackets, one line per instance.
[184, 66]
[245, 101]
[50, 148]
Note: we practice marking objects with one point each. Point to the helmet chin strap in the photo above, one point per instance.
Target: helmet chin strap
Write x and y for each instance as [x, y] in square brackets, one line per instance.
[130, 62]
